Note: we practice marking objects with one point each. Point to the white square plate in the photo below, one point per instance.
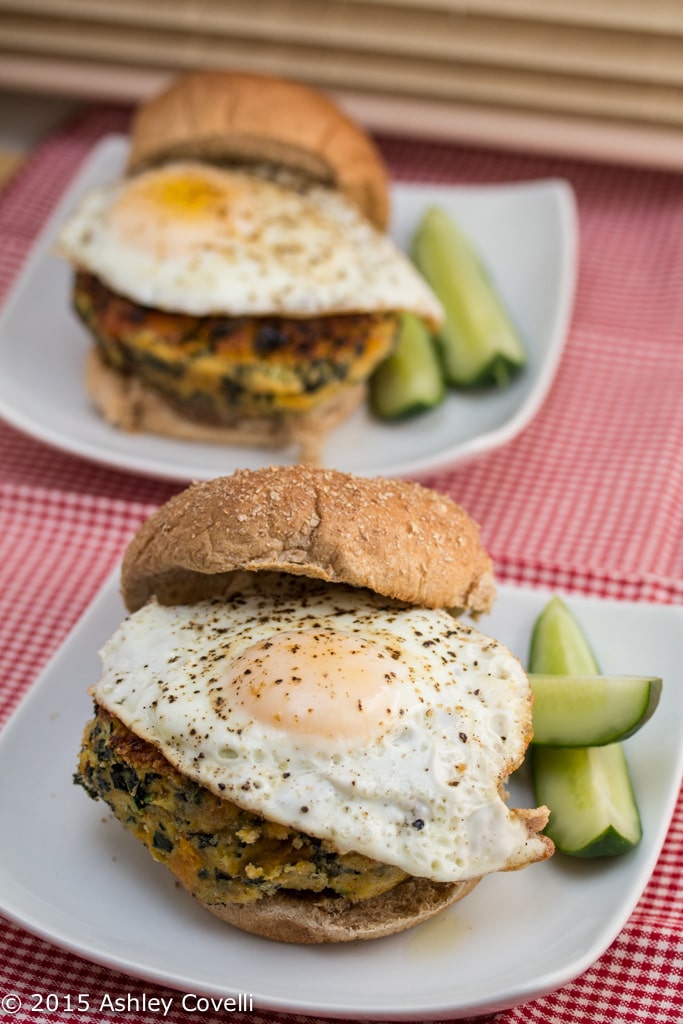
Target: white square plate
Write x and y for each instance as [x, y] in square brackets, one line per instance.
[526, 233]
[516, 937]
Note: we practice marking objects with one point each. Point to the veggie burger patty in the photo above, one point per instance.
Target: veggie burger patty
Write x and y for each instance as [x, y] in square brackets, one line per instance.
[215, 366]
[219, 851]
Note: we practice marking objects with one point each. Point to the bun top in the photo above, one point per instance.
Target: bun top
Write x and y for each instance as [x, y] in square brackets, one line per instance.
[228, 117]
[395, 537]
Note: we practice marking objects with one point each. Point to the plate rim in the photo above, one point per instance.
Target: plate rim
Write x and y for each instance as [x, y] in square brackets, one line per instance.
[170, 469]
[533, 988]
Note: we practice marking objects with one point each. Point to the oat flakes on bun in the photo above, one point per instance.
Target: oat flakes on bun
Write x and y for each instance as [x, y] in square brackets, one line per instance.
[237, 280]
[292, 718]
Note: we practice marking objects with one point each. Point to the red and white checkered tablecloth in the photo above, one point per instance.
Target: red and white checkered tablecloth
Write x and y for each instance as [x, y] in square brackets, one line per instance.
[589, 497]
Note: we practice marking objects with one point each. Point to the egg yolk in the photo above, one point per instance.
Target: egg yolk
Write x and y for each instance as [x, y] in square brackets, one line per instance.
[185, 194]
[316, 683]
[167, 212]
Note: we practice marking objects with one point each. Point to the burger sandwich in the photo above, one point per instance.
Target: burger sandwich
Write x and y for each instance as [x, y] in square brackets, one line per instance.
[238, 280]
[293, 720]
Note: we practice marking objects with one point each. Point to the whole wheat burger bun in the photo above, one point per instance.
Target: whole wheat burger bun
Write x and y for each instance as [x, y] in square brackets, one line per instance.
[286, 917]
[237, 117]
[395, 537]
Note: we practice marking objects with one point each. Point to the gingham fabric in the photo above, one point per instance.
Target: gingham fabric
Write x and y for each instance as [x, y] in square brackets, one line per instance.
[589, 497]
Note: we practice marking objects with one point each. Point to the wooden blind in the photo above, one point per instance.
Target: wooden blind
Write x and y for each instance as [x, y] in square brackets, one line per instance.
[602, 78]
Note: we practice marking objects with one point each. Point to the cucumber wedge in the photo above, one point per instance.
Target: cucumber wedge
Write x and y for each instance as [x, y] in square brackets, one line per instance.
[559, 645]
[593, 812]
[478, 343]
[585, 711]
[410, 379]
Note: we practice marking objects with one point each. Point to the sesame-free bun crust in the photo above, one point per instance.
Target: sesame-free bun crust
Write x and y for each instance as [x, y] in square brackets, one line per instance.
[395, 537]
[290, 918]
[227, 117]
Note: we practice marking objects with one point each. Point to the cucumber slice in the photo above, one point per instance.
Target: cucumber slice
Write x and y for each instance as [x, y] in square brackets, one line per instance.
[593, 812]
[410, 379]
[584, 711]
[478, 342]
[559, 645]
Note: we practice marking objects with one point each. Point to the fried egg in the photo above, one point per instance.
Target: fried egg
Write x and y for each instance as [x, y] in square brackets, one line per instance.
[191, 238]
[384, 728]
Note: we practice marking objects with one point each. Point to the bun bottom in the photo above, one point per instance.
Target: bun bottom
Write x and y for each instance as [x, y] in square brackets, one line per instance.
[127, 403]
[310, 919]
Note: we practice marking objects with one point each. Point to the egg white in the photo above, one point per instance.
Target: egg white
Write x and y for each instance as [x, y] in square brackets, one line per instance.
[422, 792]
[202, 240]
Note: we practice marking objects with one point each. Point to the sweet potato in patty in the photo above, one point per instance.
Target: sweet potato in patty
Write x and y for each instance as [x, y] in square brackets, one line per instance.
[217, 850]
[214, 366]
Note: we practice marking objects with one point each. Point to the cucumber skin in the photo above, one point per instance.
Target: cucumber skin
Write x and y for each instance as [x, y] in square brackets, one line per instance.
[608, 844]
[409, 381]
[478, 343]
